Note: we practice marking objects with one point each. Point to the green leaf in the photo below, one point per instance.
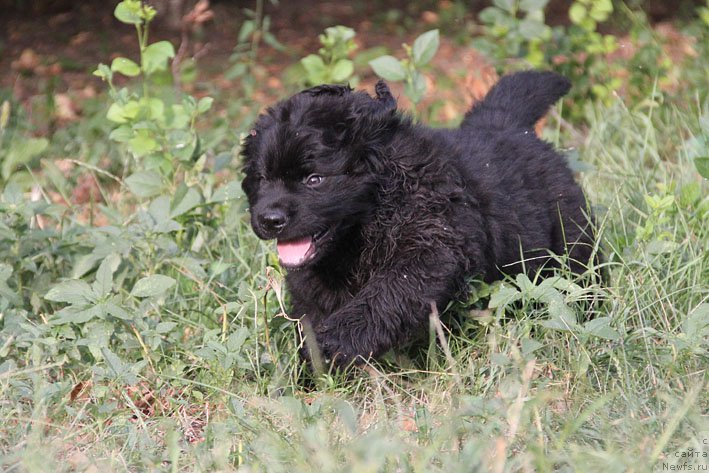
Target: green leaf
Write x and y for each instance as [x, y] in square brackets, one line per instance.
[229, 191]
[152, 286]
[204, 104]
[117, 311]
[125, 67]
[121, 113]
[182, 144]
[121, 134]
[115, 113]
[159, 208]
[504, 295]
[155, 107]
[190, 105]
[104, 72]
[601, 9]
[388, 67]
[191, 199]
[247, 28]
[165, 327]
[601, 328]
[144, 183]
[491, 15]
[156, 55]
[525, 285]
[239, 69]
[142, 144]
[237, 339]
[531, 29]
[342, 70]
[532, 5]
[13, 194]
[21, 152]
[425, 47]
[75, 315]
[561, 317]
[84, 264]
[697, 322]
[529, 346]
[507, 5]
[178, 117]
[126, 12]
[658, 203]
[5, 290]
[314, 67]
[702, 165]
[104, 276]
[689, 194]
[191, 266]
[272, 41]
[73, 291]
[604, 6]
[562, 322]
[577, 13]
[118, 368]
[339, 33]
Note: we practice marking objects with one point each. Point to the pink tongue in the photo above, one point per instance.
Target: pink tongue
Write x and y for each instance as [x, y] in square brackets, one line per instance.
[293, 252]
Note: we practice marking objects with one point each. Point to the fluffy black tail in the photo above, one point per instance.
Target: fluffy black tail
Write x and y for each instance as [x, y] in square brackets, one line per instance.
[517, 100]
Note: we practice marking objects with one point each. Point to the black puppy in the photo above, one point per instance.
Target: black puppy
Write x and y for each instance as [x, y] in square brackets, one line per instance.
[377, 217]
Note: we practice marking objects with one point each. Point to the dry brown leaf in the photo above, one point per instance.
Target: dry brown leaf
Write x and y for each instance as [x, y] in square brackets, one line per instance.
[86, 190]
[64, 107]
[27, 62]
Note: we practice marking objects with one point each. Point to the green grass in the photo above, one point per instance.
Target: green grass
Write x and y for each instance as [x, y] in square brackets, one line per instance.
[204, 375]
[511, 395]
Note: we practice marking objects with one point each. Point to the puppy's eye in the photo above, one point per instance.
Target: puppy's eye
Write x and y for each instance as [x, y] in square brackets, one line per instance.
[313, 180]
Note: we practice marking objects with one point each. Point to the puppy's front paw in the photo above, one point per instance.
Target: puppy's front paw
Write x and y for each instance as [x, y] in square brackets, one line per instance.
[337, 347]
[334, 352]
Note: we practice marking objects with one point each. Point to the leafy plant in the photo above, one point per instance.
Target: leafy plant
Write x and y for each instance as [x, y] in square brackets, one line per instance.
[697, 147]
[16, 150]
[514, 28]
[254, 30]
[408, 69]
[159, 134]
[559, 301]
[332, 63]
[101, 290]
[335, 62]
[584, 49]
[656, 222]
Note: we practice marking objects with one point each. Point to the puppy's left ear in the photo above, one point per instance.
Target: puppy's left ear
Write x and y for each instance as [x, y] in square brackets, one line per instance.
[328, 89]
[385, 101]
[373, 109]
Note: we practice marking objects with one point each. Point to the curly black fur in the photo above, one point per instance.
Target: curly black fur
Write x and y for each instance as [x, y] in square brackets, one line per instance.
[398, 214]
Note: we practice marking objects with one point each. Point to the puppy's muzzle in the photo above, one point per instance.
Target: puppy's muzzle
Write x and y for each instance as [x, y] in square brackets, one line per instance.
[272, 221]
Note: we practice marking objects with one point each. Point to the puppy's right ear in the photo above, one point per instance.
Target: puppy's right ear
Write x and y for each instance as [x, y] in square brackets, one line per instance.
[328, 89]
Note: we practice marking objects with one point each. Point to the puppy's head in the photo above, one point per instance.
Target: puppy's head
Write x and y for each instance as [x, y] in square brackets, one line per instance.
[309, 166]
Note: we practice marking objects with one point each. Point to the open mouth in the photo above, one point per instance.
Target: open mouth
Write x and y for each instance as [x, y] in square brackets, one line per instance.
[297, 252]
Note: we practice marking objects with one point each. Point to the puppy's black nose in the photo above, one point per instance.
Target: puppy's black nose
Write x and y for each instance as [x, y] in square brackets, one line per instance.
[273, 221]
